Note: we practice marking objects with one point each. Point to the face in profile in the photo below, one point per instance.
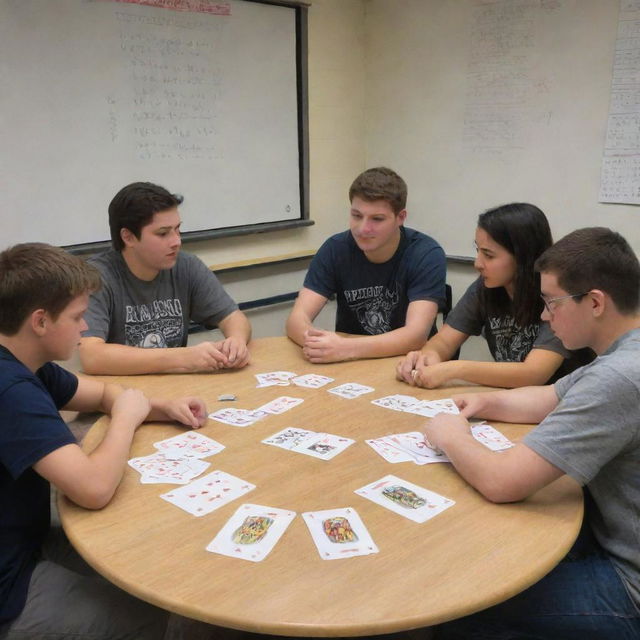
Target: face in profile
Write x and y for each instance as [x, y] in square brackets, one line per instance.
[496, 265]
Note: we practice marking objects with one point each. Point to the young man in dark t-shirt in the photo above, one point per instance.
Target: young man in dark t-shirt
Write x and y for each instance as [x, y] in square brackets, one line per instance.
[389, 280]
[44, 293]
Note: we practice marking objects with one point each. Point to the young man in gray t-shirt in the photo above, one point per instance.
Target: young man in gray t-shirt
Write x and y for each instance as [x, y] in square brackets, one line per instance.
[589, 429]
[139, 320]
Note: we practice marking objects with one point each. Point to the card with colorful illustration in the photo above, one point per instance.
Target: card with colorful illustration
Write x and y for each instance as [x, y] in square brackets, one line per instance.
[339, 533]
[289, 437]
[190, 444]
[324, 446]
[350, 390]
[311, 380]
[405, 498]
[251, 532]
[208, 493]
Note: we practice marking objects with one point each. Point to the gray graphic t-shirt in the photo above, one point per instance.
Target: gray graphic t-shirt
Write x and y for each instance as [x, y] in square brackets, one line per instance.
[507, 341]
[154, 314]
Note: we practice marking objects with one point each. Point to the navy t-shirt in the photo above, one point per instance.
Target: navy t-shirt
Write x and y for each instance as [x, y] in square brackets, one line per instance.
[30, 428]
[373, 297]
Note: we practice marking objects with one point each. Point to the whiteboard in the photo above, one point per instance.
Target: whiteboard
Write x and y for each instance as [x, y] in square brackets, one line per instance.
[98, 94]
[495, 101]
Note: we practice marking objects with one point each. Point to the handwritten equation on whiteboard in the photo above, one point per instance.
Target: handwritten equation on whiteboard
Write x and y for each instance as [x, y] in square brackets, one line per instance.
[620, 176]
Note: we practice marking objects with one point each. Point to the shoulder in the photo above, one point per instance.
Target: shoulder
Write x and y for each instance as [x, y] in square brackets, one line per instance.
[109, 261]
[189, 263]
[418, 241]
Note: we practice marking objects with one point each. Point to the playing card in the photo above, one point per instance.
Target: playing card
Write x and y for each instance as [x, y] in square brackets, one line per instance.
[237, 417]
[159, 468]
[208, 493]
[350, 390]
[431, 408]
[339, 533]
[288, 438]
[405, 498]
[274, 378]
[251, 532]
[311, 380]
[190, 443]
[397, 402]
[324, 446]
[413, 444]
[490, 437]
[388, 451]
[280, 405]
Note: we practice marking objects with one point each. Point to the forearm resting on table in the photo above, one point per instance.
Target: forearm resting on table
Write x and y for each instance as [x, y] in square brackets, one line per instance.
[100, 358]
[392, 343]
[500, 374]
[236, 325]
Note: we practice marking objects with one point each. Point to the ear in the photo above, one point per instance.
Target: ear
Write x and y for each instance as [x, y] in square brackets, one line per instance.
[127, 236]
[401, 216]
[38, 322]
[599, 300]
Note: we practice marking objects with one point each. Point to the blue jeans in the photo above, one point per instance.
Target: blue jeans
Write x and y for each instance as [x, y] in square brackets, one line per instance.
[583, 598]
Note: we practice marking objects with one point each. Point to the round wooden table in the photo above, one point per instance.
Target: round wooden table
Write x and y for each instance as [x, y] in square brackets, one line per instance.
[469, 557]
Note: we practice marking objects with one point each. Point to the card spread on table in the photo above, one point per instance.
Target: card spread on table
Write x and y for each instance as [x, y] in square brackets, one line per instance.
[318, 445]
[237, 417]
[251, 532]
[189, 444]
[405, 498]
[350, 390]
[162, 468]
[411, 447]
[280, 405]
[311, 380]
[409, 404]
[272, 378]
[339, 533]
[208, 493]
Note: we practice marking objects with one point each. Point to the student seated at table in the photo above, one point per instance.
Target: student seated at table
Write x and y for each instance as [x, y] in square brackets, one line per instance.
[46, 590]
[389, 280]
[139, 320]
[504, 305]
[589, 429]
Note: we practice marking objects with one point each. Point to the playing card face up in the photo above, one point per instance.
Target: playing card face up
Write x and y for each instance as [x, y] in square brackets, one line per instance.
[272, 378]
[490, 437]
[189, 444]
[208, 493]
[350, 390]
[339, 533]
[280, 405]
[237, 417]
[251, 532]
[396, 402]
[167, 468]
[405, 498]
[318, 445]
[311, 381]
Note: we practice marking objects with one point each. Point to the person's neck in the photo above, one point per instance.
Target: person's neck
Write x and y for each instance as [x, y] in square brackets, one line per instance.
[25, 351]
[139, 270]
[614, 330]
[385, 253]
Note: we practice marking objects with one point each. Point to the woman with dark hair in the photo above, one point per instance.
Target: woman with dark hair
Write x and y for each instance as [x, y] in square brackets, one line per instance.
[504, 305]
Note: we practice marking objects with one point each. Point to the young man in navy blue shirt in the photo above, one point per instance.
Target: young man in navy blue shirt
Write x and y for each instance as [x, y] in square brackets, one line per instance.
[44, 586]
[389, 280]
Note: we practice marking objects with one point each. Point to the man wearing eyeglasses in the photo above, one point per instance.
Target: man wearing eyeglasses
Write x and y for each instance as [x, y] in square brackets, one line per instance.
[589, 429]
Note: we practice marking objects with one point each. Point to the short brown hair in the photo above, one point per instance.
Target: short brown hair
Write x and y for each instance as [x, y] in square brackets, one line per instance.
[595, 258]
[38, 276]
[380, 183]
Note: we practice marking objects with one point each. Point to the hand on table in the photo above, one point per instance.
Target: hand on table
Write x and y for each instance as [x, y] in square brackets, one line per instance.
[443, 428]
[235, 352]
[189, 411]
[324, 346]
[130, 407]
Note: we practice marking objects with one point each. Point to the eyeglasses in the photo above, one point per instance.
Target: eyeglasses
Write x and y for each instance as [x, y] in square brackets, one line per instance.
[550, 301]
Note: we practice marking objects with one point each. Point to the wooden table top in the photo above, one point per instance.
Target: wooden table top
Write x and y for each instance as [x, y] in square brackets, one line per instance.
[473, 555]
